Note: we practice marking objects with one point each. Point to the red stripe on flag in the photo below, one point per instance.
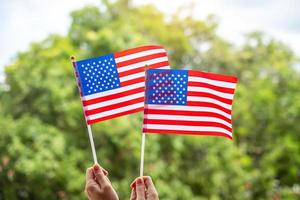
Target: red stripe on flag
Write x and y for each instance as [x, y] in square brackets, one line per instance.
[211, 105]
[212, 76]
[115, 115]
[133, 81]
[113, 96]
[208, 133]
[186, 123]
[142, 69]
[136, 50]
[205, 94]
[114, 106]
[206, 85]
[140, 59]
[186, 113]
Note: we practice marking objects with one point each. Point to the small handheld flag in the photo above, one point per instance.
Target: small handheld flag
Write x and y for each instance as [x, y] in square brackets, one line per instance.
[113, 85]
[188, 102]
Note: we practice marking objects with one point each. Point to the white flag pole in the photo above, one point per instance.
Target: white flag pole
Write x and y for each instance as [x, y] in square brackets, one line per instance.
[142, 154]
[92, 143]
[143, 134]
[90, 133]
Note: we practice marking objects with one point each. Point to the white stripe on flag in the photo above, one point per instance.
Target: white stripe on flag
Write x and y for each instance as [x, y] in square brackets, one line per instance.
[188, 108]
[142, 64]
[209, 100]
[139, 54]
[114, 101]
[114, 91]
[187, 118]
[115, 111]
[210, 91]
[212, 82]
[165, 67]
[137, 75]
[187, 128]
[132, 76]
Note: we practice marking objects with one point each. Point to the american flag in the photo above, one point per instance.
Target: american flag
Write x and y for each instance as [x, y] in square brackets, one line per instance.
[113, 85]
[188, 102]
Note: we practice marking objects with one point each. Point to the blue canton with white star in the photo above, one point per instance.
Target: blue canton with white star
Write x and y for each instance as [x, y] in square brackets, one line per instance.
[167, 87]
[98, 74]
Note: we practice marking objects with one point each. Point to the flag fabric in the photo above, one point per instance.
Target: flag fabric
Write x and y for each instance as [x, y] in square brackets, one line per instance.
[188, 102]
[113, 85]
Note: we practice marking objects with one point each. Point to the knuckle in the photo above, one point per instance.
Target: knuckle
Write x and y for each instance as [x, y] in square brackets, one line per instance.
[153, 195]
[91, 188]
[106, 188]
[88, 170]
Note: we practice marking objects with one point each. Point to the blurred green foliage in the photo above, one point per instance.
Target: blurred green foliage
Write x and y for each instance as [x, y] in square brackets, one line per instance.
[44, 148]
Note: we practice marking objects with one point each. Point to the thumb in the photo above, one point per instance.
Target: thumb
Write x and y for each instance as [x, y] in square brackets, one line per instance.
[100, 177]
[140, 189]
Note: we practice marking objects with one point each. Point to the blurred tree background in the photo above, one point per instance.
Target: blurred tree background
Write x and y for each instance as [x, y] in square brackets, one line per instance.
[44, 148]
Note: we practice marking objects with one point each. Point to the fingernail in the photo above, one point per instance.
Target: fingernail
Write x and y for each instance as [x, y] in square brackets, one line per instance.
[139, 181]
[133, 185]
[147, 179]
[96, 168]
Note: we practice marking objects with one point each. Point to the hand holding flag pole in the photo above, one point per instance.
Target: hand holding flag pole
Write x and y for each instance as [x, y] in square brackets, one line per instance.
[73, 60]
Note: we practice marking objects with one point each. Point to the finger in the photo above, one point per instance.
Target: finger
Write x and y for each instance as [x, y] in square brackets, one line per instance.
[100, 177]
[133, 184]
[91, 186]
[107, 180]
[140, 189]
[133, 195]
[89, 174]
[150, 186]
[105, 172]
[92, 189]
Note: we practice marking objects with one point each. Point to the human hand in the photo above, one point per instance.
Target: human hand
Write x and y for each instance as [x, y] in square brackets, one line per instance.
[143, 189]
[98, 186]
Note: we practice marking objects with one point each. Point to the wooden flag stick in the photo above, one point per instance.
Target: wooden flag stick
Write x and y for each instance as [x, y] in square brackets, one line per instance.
[73, 60]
